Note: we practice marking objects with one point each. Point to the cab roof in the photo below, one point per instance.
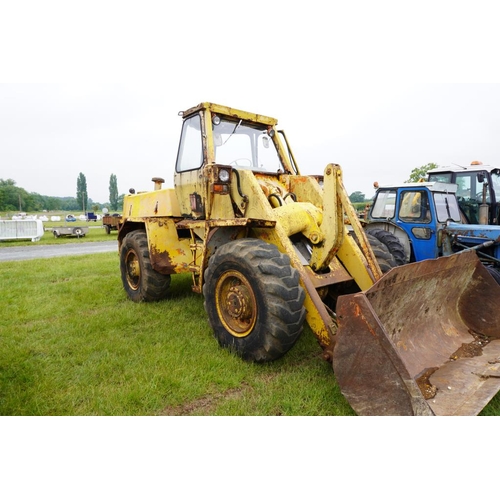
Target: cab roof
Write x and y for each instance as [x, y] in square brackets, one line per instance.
[441, 187]
[469, 168]
[229, 112]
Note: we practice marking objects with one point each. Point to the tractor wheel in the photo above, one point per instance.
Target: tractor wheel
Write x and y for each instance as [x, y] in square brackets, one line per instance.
[385, 259]
[254, 301]
[494, 272]
[141, 282]
[392, 243]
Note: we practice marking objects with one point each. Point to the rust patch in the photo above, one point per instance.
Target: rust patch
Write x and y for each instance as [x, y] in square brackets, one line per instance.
[162, 262]
[473, 349]
[426, 388]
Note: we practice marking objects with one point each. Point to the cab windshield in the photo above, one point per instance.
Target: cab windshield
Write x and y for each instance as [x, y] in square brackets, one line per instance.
[245, 146]
[446, 207]
[495, 180]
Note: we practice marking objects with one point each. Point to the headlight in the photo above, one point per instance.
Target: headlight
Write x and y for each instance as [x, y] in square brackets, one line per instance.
[223, 175]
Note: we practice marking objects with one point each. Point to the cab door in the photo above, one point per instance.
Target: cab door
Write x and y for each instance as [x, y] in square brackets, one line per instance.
[189, 178]
[417, 218]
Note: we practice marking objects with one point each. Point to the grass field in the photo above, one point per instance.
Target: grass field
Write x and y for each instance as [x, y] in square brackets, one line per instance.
[71, 343]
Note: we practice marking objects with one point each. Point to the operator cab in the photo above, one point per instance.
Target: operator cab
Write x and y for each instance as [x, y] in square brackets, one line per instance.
[477, 184]
[217, 141]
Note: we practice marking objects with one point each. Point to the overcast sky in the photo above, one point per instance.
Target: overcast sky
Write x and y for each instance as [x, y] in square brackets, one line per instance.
[366, 85]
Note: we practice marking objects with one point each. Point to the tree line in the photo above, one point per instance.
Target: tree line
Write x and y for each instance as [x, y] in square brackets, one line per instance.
[17, 199]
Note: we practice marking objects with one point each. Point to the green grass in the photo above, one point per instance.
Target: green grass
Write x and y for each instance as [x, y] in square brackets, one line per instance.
[71, 343]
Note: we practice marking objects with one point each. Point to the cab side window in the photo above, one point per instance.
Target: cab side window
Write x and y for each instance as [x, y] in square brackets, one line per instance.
[415, 207]
[190, 155]
[384, 206]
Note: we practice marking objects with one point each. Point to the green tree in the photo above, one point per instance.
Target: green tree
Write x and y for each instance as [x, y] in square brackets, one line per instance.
[81, 192]
[357, 197]
[113, 192]
[12, 197]
[120, 202]
[420, 173]
[70, 204]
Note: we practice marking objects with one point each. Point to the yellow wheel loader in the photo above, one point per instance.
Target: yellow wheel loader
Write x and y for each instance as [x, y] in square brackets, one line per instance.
[270, 249]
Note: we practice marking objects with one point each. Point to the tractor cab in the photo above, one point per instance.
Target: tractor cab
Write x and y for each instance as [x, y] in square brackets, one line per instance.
[416, 213]
[478, 191]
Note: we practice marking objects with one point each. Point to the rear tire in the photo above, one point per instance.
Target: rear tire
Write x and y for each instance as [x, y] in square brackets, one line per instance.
[254, 301]
[141, 282]
[392, 243]
[384, 257]
[494, 272]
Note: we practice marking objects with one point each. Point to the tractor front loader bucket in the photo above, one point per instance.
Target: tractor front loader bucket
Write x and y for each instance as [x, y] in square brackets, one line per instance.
[424, 340]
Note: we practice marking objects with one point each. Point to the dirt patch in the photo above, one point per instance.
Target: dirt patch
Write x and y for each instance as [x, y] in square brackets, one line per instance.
[206, 404]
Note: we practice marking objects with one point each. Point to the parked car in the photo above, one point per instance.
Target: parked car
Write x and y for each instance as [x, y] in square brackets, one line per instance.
[70, 218]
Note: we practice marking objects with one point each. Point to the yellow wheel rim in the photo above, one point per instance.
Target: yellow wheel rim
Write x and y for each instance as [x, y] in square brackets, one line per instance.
[133, 270]
[236, 303]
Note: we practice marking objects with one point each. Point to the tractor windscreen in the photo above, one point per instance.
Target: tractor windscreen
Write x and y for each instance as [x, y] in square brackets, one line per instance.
[495, 180]
[245, 146]
[446, 207]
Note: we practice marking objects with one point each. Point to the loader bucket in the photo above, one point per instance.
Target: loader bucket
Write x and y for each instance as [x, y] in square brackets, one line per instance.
[424, 340]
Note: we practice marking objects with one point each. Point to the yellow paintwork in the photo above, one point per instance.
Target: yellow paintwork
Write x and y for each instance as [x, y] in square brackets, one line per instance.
[159, 203]
[166, 247]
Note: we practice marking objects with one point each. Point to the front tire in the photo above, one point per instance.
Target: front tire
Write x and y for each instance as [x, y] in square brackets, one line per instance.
[384, 257]
[141, 282]
[392, 243]
[253, 299]
[494, 272]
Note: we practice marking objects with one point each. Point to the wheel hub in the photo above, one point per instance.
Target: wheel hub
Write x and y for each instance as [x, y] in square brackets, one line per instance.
[236, 303]
[133, 271]
[238, 300]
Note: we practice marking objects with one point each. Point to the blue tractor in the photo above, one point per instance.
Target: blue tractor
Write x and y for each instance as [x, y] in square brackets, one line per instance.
[423, 220]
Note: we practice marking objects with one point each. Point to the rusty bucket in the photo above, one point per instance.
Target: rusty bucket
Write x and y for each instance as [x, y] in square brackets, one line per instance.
[424, 340]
